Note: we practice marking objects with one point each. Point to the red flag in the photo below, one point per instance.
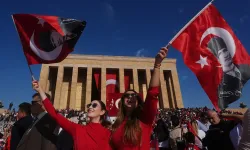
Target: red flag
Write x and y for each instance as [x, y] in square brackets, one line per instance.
[111, 82]
[127, 82]
[113, 102]
[216, 56]
[47, 39]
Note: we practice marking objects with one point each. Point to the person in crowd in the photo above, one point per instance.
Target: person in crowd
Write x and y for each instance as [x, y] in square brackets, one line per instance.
[133, 126]
[7, 144]
[199, 134]
[94, 136]
[203, 123]
[235, 135]
[245, 137]
[24, 121]
[218, 135]
[41, 135]
[65, 141]
[176, 140]
[162, 134]
[190, 142]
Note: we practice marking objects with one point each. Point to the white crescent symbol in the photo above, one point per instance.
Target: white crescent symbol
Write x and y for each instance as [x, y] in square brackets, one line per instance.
[110, 81]
[46, 55]
[117, 103]
[225, 35]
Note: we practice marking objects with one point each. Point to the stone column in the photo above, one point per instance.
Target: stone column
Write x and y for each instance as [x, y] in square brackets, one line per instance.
[58, 86]
[135, 79]
[44, 75]
[73, 88]
[171, 91]
[163, 93]
[148, 76]
[103, 85]
[121, 80]
[177, 89]
[89, 85]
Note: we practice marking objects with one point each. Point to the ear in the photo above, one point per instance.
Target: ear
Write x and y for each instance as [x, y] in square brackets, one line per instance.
[102, 112]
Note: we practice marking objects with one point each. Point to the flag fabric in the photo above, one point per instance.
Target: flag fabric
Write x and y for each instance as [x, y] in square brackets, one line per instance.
[216, 56]
[47, 39]
[113, 102]
[112, 82]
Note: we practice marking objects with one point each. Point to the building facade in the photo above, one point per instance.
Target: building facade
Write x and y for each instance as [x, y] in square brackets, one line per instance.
[71, 82]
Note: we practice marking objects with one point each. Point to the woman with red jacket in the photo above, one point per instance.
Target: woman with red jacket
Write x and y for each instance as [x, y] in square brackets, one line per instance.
[94, 136]
[133, 126]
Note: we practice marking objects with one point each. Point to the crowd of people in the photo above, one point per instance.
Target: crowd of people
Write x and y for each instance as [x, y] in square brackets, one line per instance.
[139, 125]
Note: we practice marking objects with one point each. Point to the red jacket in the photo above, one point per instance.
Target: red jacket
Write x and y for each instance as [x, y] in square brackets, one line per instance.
[146, 120]
[93, 136]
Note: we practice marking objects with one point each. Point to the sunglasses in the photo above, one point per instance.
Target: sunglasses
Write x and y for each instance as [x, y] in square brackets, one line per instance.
[94, 105]
[34, 102]
[130, 95]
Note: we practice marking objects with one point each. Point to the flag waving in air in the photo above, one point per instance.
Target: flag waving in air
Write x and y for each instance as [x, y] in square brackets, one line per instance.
[47, 39]
[216, 56]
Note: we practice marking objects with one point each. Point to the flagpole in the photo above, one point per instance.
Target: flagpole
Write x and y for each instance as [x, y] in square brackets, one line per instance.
[182, 29]
[31, 73]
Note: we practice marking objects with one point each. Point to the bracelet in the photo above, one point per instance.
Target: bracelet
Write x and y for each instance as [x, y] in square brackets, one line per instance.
[157, 66]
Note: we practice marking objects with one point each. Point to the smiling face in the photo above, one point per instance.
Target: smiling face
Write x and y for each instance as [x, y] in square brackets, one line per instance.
[130, 100]
[95, 110]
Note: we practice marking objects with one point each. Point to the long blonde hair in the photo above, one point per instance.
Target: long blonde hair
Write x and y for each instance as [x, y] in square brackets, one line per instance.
[194, 125]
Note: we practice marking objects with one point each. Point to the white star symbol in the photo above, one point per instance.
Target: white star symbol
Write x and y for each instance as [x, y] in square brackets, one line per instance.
[41, 21]
[202, 61]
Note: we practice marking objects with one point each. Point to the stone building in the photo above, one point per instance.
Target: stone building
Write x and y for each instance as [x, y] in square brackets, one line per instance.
[71, 82]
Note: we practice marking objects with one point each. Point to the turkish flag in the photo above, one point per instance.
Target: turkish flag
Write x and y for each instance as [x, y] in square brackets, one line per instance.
[47, 39]
[112, 82]
[216, 56]
[113, 102]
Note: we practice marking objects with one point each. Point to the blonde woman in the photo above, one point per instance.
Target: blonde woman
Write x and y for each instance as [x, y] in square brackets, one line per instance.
[199, 134]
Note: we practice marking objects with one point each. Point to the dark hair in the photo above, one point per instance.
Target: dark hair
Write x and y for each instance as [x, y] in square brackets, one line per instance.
[37, 94]
[103, 118]
[190, 138]
[175, 120]
[25, 107]
[132, 130]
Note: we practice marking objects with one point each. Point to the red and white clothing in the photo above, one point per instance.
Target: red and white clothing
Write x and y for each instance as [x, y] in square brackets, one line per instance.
[93, 136]
[146, 120]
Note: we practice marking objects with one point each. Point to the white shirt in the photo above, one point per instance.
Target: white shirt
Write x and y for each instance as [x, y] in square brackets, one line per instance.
[235, 135]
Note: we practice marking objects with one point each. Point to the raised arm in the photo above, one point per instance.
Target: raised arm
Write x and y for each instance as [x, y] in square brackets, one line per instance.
[150, 106]
[62, 121]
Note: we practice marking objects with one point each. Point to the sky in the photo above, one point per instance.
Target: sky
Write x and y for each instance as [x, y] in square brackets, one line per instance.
[116, 27]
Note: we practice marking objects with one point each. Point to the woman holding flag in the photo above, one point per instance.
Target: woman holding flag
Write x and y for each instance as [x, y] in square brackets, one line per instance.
[134, 123]
[94, 136]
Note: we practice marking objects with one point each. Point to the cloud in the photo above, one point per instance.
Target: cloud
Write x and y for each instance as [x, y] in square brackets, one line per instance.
[180, 10]
[243, 18]
[140, 52]
[183, 78]
[109, 10]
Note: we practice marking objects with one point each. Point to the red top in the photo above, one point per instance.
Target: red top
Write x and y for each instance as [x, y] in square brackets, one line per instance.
[93, 136]
[7, 144]
[146, 120]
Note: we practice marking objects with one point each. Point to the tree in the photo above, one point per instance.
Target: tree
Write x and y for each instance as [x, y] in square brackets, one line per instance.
[242, 105]
[1, 104]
